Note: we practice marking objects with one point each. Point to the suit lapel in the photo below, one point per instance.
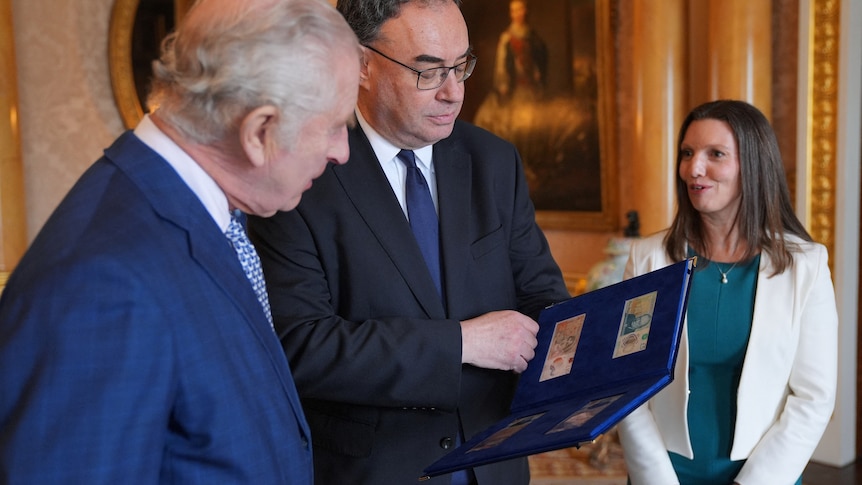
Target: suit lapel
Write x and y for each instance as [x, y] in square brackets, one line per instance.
[171, 198]
[454, 178]
[212, 251]
[366, 186]
[771, 322]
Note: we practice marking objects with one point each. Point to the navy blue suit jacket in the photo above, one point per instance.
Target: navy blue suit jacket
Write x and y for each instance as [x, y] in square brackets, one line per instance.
[375, 354]
[133, 348]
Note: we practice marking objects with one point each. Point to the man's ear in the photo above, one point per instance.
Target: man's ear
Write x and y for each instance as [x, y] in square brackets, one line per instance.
[363, 67]
[258, 133]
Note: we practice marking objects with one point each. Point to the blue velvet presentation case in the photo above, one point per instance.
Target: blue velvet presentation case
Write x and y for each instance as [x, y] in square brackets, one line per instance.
[599, 356]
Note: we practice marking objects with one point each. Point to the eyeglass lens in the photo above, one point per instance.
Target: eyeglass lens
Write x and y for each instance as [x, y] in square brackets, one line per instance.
[435, 77]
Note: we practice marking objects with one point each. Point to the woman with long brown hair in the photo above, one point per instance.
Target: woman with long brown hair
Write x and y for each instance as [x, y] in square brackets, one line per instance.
[756, 374]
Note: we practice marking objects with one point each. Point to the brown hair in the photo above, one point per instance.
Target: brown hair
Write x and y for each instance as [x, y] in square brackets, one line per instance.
[765, 214]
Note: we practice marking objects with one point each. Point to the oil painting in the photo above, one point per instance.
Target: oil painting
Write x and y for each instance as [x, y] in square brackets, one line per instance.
[544, 81]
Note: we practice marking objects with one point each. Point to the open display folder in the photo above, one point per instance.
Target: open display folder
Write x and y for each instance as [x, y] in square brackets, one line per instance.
[599, 356]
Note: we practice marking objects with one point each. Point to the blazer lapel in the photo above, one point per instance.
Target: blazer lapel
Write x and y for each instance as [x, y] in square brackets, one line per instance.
[171, 198]
[368, 189]
[771, 323]
[454, 178]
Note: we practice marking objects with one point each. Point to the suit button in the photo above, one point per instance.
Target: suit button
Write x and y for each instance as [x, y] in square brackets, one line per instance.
[446, 443]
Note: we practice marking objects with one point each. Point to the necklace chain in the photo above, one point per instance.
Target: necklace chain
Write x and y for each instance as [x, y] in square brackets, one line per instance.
[724, 273]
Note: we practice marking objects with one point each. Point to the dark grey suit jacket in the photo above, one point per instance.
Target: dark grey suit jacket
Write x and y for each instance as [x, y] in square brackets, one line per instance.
[376, 357]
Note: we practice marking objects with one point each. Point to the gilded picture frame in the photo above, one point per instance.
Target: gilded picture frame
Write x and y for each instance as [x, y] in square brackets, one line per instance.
[120, 61]
[545, 80]
[134, 39]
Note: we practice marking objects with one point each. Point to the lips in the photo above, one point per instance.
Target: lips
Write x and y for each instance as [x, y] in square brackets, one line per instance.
[445, 117]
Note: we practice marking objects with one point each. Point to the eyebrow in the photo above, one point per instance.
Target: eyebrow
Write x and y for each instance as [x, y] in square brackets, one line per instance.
[429, 59]
[707, 147]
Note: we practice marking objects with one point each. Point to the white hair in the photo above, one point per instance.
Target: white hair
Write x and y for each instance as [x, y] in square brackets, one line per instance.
[227, 60]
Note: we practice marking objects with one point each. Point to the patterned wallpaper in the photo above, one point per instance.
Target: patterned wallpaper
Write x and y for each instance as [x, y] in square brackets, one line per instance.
[66, 107]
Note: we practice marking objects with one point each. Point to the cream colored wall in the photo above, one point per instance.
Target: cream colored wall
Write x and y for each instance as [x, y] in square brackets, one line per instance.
[67, 112]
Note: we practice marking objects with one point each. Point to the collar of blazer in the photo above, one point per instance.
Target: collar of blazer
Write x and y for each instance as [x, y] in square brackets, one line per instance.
[366, 186]
[172, 200]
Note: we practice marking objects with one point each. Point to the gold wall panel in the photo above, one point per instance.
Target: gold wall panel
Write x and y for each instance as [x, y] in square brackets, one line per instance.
[822, 112]
[12, 211]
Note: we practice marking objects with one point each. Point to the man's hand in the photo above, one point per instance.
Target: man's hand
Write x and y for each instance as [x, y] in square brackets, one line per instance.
[504, 340]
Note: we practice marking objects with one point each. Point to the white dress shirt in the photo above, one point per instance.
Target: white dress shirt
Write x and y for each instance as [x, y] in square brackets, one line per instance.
[395, 170]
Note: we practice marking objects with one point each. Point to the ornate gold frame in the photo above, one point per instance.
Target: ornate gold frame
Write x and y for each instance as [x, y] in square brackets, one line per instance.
[821, 113]
[120, 56]
[608, 219]
[120, 61]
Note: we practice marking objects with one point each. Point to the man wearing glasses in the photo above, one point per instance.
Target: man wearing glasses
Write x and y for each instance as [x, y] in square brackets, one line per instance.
[406, 284]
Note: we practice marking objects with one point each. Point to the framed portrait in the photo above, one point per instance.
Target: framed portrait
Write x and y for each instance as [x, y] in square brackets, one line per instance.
[545, 82]
[136, 32]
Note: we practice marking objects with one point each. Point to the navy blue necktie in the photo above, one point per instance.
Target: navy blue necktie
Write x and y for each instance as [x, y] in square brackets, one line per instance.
[423, 217]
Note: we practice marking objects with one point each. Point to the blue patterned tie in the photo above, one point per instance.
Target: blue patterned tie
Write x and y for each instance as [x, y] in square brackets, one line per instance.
[423, 216]
[249, 260]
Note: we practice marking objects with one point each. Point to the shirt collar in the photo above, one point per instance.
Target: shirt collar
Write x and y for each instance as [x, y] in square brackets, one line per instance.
[203, 186]
[386, 151]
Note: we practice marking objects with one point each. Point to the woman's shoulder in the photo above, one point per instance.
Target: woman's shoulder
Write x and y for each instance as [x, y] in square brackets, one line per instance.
[799, 246]
[808, 256]
[651, 242]
[648, 253]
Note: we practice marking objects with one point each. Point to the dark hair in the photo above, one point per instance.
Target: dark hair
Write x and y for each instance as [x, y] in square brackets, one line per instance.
[765, 214]
[366, 16]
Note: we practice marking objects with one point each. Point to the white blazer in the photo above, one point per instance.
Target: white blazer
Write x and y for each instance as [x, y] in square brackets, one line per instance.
[787, 389]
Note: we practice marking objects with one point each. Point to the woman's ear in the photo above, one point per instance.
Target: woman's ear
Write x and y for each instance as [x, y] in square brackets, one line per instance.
[258, 134]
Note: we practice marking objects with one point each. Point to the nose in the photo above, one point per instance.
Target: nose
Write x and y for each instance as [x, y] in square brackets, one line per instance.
[451, 90]
[693, 167]
[340, 152]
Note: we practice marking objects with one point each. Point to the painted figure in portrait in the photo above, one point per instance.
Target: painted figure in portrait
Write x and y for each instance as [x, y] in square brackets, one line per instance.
[539, 91]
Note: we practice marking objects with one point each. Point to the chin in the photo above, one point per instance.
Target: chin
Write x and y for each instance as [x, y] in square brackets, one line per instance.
[434, 136]
[443, 131]
[290, 205]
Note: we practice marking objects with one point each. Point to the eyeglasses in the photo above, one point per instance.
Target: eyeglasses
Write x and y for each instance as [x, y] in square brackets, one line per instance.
[434, 77]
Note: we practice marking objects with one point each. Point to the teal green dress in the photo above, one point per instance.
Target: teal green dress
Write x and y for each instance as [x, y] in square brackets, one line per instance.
[719, 324]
